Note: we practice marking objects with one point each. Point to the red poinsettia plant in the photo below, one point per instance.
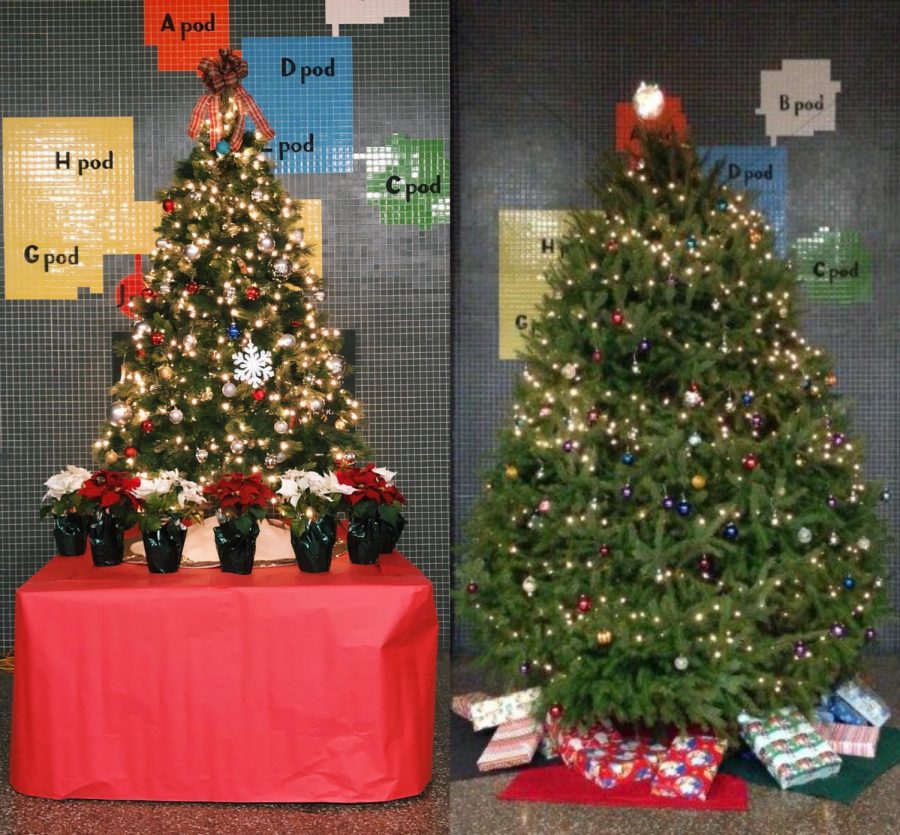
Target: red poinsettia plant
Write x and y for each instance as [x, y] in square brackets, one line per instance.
[239, 497]
[112, 491]
[375, 491]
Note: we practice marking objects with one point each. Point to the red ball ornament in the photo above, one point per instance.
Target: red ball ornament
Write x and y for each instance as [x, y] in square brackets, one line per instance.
[148, 293]
[618, 317]
[585, 604]
[604, 550]
[472, 588]
[192, 287]
[147, 426]
[750, 462]
[597, 356]
[168, 205]
[295, 323]
[130, 452]
[258, 394]
[612, 245]
[556, 711]
[253, 292]
[593, 416]
[140, 353]
[157, 337]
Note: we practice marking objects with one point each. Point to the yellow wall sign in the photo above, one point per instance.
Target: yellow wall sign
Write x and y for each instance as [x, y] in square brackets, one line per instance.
[310, 212]
[529, 243]
[68, 199]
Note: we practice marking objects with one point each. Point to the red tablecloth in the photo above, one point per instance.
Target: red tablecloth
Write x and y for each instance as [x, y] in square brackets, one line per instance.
[200, 685]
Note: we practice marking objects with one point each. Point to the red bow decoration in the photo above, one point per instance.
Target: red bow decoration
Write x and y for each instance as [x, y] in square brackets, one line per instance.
[220, 75]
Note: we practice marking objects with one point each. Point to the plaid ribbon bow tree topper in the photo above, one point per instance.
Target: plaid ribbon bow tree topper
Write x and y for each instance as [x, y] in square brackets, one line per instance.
[222, 75]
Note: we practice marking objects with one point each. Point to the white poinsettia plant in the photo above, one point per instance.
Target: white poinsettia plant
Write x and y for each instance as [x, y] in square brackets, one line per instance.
[62, 491]
[306, 494]
[166, 495]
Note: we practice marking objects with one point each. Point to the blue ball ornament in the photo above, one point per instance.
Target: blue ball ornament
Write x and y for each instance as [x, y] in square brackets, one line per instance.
[684, 508]
[849, 582]
[691, 242]
[721, 204]
[628, 458]
[223, 147]
[730, 531]
[747, 398]
[233, 331]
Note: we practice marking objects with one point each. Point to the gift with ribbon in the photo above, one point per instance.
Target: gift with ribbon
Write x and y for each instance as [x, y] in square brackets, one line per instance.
[222, 77]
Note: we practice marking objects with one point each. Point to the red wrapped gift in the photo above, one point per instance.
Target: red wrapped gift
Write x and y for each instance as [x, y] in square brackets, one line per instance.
[621, 763]
[689, 767]
[573, 743]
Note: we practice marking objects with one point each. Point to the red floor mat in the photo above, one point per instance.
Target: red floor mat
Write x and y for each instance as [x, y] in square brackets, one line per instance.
[558, 784]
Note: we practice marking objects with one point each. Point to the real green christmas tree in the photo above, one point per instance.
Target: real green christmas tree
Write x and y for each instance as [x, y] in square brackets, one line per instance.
[232, 366]
[677, 527]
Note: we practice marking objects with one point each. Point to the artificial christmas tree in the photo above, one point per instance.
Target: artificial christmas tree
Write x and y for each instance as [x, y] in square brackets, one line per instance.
[677, 528]
[232, 367]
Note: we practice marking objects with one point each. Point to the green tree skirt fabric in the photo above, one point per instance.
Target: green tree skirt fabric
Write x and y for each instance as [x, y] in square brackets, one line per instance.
[855, 775]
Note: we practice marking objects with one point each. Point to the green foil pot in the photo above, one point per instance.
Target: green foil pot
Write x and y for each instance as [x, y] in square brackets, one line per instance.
[163, 547]
[70, 534]
[390, 534]
[363, 540]
[313, 548]
[107, 538]
[236, 549]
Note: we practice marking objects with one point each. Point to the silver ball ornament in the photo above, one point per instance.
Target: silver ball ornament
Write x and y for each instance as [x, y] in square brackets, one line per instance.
[316, 404]
[695, 439]
[162, 243]
[569, 371]
[863, 543]
[201, 455]
[190, 342]
[192, 252]
[281, 266]
[833, 539]
[296, 236]
[287, 340]
[265, 243]
[120, 412]
[176, 415]
[336, 365]
[271, 460]
[681, 663]
[529, 585]
[229, 389]
[257, 194]
[281, 426]
[804, 536]
[237, 446]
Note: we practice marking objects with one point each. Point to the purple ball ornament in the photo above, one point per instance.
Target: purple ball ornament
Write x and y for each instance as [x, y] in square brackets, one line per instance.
[627, 491]
[837, 439]
[871, 633]
[668, 503]
[756, 420]
[644, 345]
[831, 501]
[801, 650]
[567, 446]
[838, 630]
[524, 668]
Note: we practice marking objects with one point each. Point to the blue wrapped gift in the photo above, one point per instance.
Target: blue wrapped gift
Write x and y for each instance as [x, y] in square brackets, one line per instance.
[864, 701]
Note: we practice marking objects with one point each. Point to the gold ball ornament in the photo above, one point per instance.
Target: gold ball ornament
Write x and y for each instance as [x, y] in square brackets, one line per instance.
[512, 472]
[111, 457]
[166, 373]
[604, 637]
[698, 482]
[756, 236]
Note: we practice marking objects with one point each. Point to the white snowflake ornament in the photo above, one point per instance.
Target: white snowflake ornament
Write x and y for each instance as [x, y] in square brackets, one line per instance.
[253, 366]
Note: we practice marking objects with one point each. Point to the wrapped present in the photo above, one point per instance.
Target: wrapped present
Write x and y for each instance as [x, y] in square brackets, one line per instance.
[689, 767]
[499, 710]
[604, 757]
[620, 763]
[550, 738]
[851, 740]
[462, 704]
[573, 743]
[864, 701]
[789, 747]
[844, 713]
[513, 743]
